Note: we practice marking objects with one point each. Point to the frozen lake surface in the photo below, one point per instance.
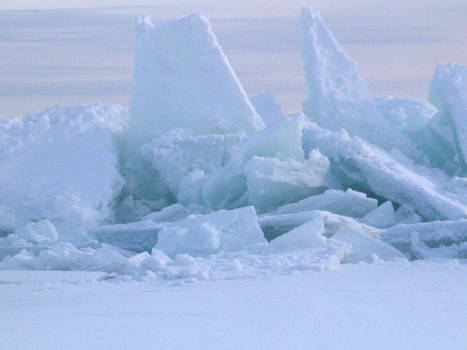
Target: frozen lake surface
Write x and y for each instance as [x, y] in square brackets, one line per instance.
[419, 305]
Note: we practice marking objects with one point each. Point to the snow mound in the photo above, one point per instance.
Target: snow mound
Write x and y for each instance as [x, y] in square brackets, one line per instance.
[60, 164]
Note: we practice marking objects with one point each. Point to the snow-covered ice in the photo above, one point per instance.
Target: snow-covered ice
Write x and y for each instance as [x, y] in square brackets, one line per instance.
[348, 231]
[364, 165]
[448, 92]
[408, 115]
[383, 216]
[60, 164]
[273, 182]
[211, 233]
[337, 97]
[387, 306]
[349, 203]
[182, 79]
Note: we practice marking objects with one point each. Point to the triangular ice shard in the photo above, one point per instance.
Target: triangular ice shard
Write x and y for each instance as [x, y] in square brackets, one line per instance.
[448, 92]
[337, 97]
[182, 79]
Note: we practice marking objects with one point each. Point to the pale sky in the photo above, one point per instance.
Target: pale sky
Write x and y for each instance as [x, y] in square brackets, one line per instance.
[75, 55]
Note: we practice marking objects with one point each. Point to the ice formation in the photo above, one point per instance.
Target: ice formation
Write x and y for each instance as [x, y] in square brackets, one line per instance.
[195, 187]
[448, 92]
[272, 182]
[60, 164]
[211, 233]
[267, 107]
[364, 165]
[337, 97]
[381, 217]
[349, 203]
[409, 116]
[182, 79]
[178, 153]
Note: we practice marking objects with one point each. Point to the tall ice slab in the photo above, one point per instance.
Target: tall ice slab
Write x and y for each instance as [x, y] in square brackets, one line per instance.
[182, 79]
[337, 97]
[448, 92]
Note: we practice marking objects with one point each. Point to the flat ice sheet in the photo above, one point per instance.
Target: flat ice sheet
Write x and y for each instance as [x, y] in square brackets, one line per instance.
[387, 306]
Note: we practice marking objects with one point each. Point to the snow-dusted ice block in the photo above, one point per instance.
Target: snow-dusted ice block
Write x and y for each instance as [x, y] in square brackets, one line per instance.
[365, 247]
[337, 97]
[211, 233]
[273, 182]
[381, 217]
[136, 236]
[348, 203]
[448, 92]
[274, 225]
[407, 115]
[179, 152]
[60, 164]
[308, 235]
[362, 164]
[430, 235]
[406, 215]
[437, 142]
[282, 140]
[226, 187]
[37, 232]
[174, 212]
[267, 107]
[182, 79]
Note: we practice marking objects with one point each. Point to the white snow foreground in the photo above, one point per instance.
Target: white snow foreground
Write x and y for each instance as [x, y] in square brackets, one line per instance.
[194, 186]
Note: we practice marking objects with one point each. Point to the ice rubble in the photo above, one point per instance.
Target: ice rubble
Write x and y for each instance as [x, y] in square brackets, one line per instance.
[364, 165]
[194, 186]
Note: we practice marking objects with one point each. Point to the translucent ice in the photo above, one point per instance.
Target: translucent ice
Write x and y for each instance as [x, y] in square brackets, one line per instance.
[211, 233]
[182, 79]
[381, 217]
[349, 203]
[337, 97]
[267, 107]
[448, 92]
[273, 182]
[363, 165]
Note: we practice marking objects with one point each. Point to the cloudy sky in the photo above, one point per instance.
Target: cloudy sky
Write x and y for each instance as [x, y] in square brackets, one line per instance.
[83, 53]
